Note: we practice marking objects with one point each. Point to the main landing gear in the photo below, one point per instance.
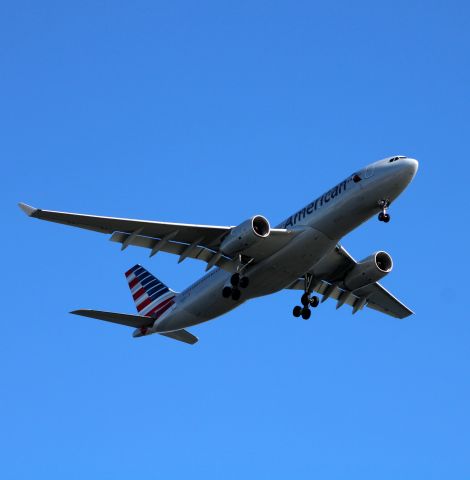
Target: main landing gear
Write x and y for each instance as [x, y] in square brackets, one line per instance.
[306, 300]
[383, 215]
[236, 282]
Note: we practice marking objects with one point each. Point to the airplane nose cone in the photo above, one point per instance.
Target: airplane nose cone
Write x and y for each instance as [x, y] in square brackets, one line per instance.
[410, 165]
[405, 170]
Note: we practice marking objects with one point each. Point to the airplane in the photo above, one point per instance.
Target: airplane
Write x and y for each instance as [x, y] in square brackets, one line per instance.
[252, 259]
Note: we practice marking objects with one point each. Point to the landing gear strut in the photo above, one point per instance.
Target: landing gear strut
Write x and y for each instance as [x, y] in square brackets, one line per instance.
[236, 282]
[306, 300]
[383, 215]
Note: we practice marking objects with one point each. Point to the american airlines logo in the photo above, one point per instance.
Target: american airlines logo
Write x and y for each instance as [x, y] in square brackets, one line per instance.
[316, 204]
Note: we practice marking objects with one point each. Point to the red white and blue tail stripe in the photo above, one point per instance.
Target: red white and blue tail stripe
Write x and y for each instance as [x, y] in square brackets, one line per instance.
[151, 296]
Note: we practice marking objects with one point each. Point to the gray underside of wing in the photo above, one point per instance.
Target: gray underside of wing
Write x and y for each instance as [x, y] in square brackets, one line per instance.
[187, 233]
[376, 296]
[200, 242]
[331, 269]
[380, 299]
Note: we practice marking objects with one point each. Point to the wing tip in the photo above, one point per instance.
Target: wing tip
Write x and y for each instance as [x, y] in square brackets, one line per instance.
[28, 209]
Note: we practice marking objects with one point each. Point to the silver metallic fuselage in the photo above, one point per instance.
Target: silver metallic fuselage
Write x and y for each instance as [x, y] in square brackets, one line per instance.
[321, 224]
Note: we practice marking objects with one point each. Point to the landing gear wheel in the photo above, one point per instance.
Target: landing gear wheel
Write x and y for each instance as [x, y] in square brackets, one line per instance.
[314, 301]
[297, 311]
[226, 292]
[236, 294]
[383, 215]
[305, 300]
[244, 282]
[235, 279]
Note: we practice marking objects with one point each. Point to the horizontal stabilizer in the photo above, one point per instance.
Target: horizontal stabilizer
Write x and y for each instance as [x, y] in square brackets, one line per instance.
[136, 321]
[182, 336]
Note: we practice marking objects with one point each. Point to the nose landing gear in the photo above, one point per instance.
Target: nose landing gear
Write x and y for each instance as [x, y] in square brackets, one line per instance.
[383, 215]
[306, 300]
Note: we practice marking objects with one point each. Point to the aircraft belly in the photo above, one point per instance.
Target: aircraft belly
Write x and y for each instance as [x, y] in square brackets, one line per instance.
[205, 301]
[271, 275]
[201, 304]
[287, 265]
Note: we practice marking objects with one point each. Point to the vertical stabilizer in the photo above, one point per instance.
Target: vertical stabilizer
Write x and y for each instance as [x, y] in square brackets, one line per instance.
[151, 296]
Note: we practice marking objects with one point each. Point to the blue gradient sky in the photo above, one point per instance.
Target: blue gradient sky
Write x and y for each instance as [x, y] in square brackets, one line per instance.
[209, 112]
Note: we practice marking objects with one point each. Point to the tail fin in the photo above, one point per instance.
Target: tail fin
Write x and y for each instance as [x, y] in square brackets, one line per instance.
[151, 296]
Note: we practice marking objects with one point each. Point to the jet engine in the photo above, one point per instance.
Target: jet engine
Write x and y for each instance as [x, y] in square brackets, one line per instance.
[245, 235]
[369, 270]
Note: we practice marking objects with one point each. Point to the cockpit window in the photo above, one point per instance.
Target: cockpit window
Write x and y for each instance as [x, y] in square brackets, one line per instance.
[356, 178]
[394, 159]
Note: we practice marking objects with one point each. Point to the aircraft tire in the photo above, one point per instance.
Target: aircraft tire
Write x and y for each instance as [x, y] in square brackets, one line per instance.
[305, 300]
[236, 294]
[314, 301]
[226, 292]
[297, 311]
[306, 312]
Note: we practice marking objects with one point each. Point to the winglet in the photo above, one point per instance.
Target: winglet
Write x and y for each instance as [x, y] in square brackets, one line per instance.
[28, 209]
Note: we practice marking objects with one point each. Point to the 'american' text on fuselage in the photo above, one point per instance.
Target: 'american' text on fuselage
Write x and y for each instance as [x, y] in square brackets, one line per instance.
[316, 204]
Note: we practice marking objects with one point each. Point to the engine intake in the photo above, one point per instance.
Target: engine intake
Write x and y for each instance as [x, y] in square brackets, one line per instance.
[245, 235]
[370, 270]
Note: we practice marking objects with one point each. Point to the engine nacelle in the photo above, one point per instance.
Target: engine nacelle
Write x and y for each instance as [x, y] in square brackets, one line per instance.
[369, 270]
[245, 235]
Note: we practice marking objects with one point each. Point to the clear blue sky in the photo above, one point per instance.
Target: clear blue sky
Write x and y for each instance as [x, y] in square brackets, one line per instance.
[209, 112]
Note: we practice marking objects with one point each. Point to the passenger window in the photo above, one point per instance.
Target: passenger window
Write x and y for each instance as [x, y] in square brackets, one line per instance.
[356, 178]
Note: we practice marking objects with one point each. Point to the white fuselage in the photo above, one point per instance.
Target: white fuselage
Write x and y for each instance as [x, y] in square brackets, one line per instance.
[322, 223]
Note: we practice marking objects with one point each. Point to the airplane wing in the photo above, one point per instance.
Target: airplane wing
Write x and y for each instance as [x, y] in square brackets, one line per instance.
[331, 269]
[136, 321]
[200, 242]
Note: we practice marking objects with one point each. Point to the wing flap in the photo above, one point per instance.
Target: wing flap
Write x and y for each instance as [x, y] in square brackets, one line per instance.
[328, 290]
[198, 252]
[136, 321]
[375, 296]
